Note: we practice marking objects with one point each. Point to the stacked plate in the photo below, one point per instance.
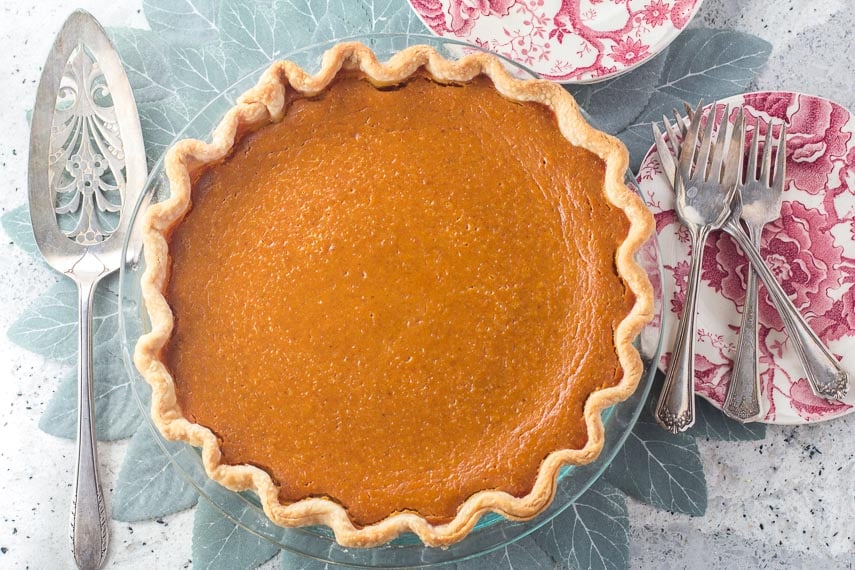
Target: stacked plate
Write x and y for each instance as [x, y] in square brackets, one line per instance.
[570, 41]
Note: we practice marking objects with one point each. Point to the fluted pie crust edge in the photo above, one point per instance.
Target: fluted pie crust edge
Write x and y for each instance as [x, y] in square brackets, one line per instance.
[266, 103]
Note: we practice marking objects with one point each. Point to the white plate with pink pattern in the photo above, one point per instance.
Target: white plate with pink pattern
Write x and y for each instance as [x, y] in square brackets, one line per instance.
[571, 41]
[811, 249]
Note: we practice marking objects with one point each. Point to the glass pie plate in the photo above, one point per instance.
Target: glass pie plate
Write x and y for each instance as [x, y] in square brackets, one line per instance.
[493, 531]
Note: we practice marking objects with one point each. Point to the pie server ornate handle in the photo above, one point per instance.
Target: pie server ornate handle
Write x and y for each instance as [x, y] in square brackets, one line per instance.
[87, 168]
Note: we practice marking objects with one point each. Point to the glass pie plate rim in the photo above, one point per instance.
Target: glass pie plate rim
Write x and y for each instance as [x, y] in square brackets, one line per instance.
[493, 531]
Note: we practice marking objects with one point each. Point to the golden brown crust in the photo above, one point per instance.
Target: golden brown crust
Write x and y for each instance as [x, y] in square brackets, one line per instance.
[265, 103]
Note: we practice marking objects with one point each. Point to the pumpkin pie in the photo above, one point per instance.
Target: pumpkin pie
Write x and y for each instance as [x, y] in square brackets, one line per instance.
[394, 296]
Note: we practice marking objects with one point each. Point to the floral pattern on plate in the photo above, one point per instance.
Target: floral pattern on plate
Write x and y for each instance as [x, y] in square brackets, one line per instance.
[572, 41]
[810, 248]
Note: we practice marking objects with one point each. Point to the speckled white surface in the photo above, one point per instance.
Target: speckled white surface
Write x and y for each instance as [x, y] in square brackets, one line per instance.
[786, 502]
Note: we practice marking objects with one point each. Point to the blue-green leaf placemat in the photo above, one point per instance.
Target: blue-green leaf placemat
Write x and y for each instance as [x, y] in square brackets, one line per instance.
[197, 48]
[220, 543]
[148, 488]
[591, 533]
[660, 469]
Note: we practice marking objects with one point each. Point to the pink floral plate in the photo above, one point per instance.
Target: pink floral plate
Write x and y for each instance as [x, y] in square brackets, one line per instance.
[811, 249]
[571, 41]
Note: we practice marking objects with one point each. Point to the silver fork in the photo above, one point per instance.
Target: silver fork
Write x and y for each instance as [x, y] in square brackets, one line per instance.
[705, 184]
[825, 376]
[761, 204]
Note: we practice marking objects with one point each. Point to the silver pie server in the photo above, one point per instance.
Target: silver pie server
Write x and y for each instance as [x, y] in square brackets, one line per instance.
[87, 168]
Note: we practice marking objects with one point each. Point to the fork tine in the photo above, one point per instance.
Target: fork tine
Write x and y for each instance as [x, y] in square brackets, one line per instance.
[668, 161]
[657, 134]
[751, 172]
[766, 162]
[690, 113]
[702, 163]
[781, 161]
[673, 142]
[689, 146]
[735, 153]
[720, 154]
[681, 121]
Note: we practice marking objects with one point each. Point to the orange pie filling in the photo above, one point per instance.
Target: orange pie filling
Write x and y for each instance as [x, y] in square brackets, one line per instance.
[396, 298]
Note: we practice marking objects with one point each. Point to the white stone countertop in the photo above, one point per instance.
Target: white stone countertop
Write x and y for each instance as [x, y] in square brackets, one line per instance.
[787, 501]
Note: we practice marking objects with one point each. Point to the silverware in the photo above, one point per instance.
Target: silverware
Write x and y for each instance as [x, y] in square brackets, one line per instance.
[87, 168]
[761, 204]
[825, 375]
[706, 178]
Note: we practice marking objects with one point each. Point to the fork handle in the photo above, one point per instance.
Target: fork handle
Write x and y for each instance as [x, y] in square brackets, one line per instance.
[742, 402]
[88, 513]
[675, 410]
[825, 376]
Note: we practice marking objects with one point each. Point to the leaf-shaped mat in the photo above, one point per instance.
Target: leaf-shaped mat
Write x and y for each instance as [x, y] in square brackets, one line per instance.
[148, 486]
[218, 543]
[592, 533]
